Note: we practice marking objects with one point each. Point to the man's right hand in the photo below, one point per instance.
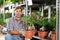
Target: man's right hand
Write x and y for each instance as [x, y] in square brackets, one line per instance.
[14, 32]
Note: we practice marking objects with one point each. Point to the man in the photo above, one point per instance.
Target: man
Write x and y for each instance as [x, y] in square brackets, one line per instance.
[15, 25]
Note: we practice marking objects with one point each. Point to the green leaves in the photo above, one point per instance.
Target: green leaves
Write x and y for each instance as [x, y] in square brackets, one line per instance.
[1, 2]
[2, 22]
[7, 1]
[30, 21]
[7, 15]
[35, 15]
[37, 22]
[43, 21]
[14, 1]
[25, 18]
[53, 22]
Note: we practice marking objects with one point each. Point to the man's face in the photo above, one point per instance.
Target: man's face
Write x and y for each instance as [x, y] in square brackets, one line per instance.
[18, 12]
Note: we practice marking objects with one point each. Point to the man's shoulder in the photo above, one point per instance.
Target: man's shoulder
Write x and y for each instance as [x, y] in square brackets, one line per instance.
[11, 19]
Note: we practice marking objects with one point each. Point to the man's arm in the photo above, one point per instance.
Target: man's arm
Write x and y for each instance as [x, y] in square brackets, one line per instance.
[11, 28]
[14, 32]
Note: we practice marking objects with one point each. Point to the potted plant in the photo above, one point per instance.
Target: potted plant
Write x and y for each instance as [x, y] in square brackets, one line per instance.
[53, 35]
[30, 30]
[2, 24]
[53, 31]
[42, 33]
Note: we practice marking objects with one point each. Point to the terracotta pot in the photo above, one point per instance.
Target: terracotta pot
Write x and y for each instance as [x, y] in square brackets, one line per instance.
[34, 31]
[53, 36]
[29, 33]
[42, 34]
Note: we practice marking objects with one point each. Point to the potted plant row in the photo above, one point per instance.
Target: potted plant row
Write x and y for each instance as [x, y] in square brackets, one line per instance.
[47, 26]
[43, 25]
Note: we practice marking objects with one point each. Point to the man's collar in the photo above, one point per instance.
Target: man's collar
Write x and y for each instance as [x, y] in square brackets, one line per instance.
[20, 19]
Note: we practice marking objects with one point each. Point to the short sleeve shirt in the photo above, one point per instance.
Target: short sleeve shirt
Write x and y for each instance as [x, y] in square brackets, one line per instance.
[14, 25]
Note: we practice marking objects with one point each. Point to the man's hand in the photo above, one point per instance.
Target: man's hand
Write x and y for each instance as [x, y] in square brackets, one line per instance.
[19, 32]
[14, 32]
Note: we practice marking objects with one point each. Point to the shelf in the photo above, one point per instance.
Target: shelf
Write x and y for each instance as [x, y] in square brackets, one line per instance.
[39, 38]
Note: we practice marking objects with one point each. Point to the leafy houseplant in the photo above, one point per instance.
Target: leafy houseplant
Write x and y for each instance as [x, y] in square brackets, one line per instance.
[43, 33]
[53, 25]
[30, 21]
[30, 32]
[43, 23]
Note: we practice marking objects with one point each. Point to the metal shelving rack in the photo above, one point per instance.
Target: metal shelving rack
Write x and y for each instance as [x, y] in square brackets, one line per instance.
[57, 19]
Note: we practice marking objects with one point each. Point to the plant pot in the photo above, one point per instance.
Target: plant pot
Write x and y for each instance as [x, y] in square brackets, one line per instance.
[29, 33]
[53, 36]
[42, 34]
